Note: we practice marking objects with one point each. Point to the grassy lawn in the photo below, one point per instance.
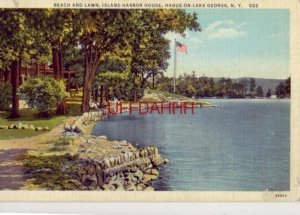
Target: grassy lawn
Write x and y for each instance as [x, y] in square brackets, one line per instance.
[29, 117]
[158, 95]
[166, 94]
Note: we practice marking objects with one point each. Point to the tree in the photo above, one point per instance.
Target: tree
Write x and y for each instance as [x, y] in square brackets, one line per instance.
[259, 91]
[281, 90]
[252, 86]
[103, 30]
[5, 96]
[15, 45]
[43, 93]
[268, 94]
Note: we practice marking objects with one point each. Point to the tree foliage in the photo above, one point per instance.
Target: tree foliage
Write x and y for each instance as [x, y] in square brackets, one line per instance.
[5, 96]
[43, 93]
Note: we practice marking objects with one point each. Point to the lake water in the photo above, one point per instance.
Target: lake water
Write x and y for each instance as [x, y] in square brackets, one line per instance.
[242, 145]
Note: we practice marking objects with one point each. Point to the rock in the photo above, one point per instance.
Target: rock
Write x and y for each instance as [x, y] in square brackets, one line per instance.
[147, 177]
[150, 188]
[46, 128]
[3, 127]
[155, 172]
[99, 175]
[108, 187]
[31, 127]
[138, 174]
[166, 161]
[88, 180]
[43, 170]
[123, 143]
[112, 161]
[19, 125]
[89, 141]
[131, 187]
[116, 184]
[107, 163]
[38, 128]
[78, 130]
[67, 127]
[12, 126]
[116, 146]
[140, 187]
[102, 137]
[139, 162]
[25, 126]
[156, 161]
[73, 127]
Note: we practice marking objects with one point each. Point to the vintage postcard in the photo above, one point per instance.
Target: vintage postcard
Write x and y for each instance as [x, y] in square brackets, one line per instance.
[188, 100]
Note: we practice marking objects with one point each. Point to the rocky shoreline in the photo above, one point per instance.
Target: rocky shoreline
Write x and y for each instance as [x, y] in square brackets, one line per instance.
[110, 165]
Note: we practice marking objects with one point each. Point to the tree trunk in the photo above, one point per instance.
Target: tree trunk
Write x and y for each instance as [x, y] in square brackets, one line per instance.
[153, 76]
[44, 69]
[106, 94]
[1, 76]
[37, 67]
[86, 86]
[15, 82]
[101, 96]
[7, 76]
[55, 61]
[62, 108]
[91, 62]
[60, 60]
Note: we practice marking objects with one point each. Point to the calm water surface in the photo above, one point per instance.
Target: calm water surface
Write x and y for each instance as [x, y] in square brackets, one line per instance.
[241, 145]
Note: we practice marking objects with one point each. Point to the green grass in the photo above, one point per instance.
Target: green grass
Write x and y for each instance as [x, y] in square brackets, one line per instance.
[167, 94]
[30, 117]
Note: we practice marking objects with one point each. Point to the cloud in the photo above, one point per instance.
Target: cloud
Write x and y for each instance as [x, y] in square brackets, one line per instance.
[224, 29]
[226, 33]
[277, 35]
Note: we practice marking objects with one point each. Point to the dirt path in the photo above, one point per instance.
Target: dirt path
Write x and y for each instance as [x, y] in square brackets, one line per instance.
[11, 169]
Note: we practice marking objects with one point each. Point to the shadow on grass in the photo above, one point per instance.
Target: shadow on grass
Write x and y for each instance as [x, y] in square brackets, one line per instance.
[55, 172]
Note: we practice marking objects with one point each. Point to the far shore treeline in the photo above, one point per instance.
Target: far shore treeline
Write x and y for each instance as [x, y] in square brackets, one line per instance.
[199, 87]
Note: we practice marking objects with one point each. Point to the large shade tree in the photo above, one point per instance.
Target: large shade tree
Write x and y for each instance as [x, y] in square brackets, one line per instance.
[15, 45]
[104, 30]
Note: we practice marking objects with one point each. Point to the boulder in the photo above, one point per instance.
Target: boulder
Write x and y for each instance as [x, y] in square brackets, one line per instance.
[31, 127]
[88, 180]
[67, 127]
[39, 128]
[3, 127]
[25, 126]
[140, 187]
[46, 128]
[73, 127]
[78, 130]
[130, 187]
[99, 175]
[150, 188]
[108, 187]
[19, 125]
[102, 137]
[155, 172]
[12, 126]
[147, 177]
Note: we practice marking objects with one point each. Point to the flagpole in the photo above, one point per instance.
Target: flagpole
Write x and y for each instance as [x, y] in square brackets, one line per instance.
[174, 81]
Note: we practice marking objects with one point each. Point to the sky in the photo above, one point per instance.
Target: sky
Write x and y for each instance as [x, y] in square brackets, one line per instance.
[235, 43]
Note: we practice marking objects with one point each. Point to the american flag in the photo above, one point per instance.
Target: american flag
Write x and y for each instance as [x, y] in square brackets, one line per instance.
[181, 47]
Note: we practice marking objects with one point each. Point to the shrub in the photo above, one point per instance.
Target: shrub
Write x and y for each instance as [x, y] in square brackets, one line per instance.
[5, 96]
[43, 93]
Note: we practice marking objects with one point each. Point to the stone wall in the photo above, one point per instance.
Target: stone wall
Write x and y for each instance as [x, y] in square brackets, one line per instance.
[83, 120]
[128, 171]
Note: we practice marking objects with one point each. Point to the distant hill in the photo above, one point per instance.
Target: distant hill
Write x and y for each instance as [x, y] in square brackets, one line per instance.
[265, 83]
